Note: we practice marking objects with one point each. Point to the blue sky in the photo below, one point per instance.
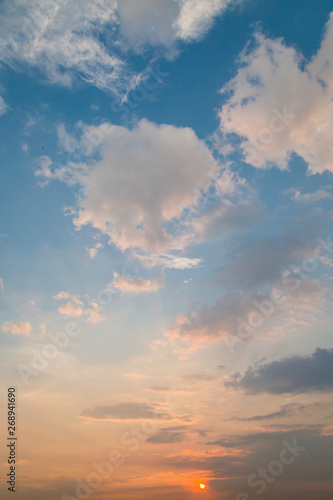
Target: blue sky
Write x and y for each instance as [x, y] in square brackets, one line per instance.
[165, 243]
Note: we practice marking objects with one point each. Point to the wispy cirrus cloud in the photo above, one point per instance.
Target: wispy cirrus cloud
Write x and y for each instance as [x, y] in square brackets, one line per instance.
[69, 41]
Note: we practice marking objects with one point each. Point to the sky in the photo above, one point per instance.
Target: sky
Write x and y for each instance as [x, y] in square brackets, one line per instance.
[166, 248]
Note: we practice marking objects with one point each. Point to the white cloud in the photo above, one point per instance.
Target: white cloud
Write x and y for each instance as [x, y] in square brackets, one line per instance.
[65, 140]
[70, 40]
[61, 38]
[278, 107]
[148, 22]
[166, 21]
[75, 308]
[197, 16]
[2, 286]
[22, 327]
[136, 285]
[167, 260]
[3, 107]
[138, 190]
[316, 196]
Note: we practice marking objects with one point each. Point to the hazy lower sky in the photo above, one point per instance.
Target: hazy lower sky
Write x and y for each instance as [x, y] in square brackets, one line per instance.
[166, 248]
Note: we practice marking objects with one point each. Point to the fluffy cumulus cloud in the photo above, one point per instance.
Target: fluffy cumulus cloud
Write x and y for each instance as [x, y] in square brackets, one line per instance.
[293, 374]
[88, 39]
[136, 285]
[280, 104]
[20, 328]
[145, 188]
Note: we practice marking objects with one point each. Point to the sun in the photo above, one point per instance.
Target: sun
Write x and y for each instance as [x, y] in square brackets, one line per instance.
[202, 486]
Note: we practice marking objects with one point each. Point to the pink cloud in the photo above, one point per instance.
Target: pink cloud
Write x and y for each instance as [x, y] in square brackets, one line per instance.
[137, 285]
[22, 327]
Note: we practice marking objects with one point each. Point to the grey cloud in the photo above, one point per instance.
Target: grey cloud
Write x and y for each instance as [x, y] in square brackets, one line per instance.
[293, 374]
[123, 411]
[254, 263]
[285, 411]
[165, 437]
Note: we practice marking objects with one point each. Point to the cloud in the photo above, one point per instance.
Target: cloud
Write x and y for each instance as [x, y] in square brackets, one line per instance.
[3, 106]
[167, 437]
[75, 308]
[279, 104]
[92, 252]
[316, 196]
[233, 314]
[287, 410]
[164, 23]
[125, 411]
[257, 262]
[63, 40]
[197, 16]
[22, 327]
[92, 314]
[288, 375]
[139, 189]
[146, 23]
[2, 286]
[136, 285]
[88, 40]
[168, 260]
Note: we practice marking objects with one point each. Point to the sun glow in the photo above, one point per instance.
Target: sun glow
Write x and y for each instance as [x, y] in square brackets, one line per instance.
[202, 486]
